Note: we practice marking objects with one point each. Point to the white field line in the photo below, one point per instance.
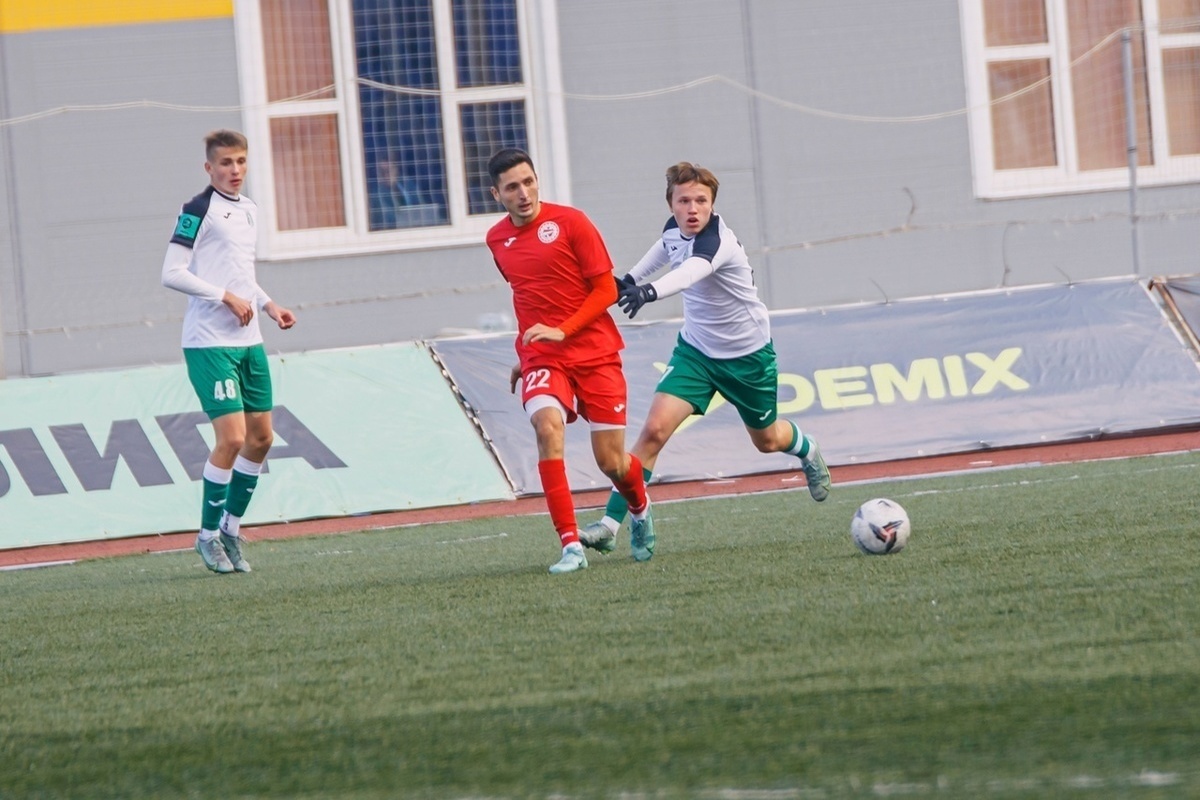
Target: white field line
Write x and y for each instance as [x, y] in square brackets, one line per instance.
[951, 473]
[36, 565]
[1078, 785]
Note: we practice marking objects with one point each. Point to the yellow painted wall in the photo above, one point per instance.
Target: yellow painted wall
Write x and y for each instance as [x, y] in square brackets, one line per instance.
[19, 16]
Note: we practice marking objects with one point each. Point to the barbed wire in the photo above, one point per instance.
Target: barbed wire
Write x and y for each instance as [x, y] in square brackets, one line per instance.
[908, 227]
[353, 83]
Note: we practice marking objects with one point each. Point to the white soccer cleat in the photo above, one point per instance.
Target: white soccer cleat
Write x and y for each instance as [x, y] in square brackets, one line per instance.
[572, 560]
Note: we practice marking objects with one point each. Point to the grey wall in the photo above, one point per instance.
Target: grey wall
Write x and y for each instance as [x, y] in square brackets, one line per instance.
[94, 194]
[100, 192]
[818, 201]
[832, 211]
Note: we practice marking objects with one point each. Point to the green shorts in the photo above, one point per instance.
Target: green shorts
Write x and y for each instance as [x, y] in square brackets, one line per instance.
[229, 379]
[750, 383]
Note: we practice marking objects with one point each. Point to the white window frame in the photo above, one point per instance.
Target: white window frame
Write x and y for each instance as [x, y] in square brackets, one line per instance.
[545, 124]
[1065, 176]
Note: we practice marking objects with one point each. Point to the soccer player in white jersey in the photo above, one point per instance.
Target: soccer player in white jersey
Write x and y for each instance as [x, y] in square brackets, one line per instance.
[724, 345]
[211, 258]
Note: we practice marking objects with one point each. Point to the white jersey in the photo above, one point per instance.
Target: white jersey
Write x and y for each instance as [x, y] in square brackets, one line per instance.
[722, 315]
[220, 232]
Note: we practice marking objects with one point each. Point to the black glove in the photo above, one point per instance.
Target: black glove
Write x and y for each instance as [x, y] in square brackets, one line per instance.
[623, 282]
[633, 297]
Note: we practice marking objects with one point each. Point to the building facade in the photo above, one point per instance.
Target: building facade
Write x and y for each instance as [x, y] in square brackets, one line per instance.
[867, 150]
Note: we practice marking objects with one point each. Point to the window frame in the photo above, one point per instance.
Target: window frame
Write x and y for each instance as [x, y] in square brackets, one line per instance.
[1065, 177]
[545, 124]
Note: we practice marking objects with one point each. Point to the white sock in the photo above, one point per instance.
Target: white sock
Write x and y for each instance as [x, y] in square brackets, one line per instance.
[231, 525]
[610, 523]
[248, 467]
[799, 445]
[217, 474]
[207, 536]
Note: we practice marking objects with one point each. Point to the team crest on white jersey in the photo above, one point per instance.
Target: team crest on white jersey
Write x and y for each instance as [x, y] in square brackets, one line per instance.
[548, 232]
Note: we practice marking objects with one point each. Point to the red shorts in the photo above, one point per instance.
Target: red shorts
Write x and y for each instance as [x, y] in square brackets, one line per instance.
[596, 391]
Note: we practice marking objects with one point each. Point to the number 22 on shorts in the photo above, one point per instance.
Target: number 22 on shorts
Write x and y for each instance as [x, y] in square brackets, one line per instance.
[537, 379]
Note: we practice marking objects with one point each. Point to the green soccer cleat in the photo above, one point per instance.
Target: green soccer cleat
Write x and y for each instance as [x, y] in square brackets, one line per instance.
[214, 556]
[572, 560]
[597, 536]
[816, 472]
[641, 537]
[233, 548]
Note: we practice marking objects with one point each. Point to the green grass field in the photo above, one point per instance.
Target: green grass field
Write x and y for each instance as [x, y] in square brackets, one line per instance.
[1037, 638]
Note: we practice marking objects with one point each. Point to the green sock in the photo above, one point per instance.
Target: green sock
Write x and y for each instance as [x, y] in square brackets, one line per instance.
[617, 508]
[241, 490]
[214, 503]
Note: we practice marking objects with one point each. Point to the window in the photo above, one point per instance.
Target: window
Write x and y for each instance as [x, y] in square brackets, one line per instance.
[372, 121]
[1046, 86]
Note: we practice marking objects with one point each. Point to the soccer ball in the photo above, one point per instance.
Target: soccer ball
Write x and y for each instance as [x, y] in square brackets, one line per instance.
[880, 527]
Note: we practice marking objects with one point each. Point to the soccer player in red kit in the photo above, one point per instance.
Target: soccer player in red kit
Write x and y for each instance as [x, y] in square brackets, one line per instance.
[567, 344]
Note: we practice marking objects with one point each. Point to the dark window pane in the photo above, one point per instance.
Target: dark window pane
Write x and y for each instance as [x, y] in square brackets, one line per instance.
[1178, 11]
[297, 51]
[1022, 125]
[486, 43]
[1014, 22]
[1181, 79]
[308, 172]
[486, 128]
[403, 148]
[1098, 84]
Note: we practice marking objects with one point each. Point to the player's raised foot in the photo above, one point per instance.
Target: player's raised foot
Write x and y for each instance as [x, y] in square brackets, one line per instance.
[214, 556]
[816, 472]
[641, 537]
[597, 536]
[572, 560]
[233, 549]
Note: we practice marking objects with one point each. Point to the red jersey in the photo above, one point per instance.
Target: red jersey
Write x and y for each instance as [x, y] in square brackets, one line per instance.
[548, 263]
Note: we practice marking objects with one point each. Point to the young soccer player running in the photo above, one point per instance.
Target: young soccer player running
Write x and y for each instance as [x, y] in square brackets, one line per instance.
[724, 345]
[567, 345]
[211, 258]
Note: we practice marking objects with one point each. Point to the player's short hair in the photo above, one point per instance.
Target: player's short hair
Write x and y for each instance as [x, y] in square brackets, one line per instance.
[214, 140]
[504, 160]
[687, 172]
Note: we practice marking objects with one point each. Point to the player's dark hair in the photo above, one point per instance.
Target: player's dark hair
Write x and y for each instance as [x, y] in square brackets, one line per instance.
[687, 172]
[215, 140]
[504, 160]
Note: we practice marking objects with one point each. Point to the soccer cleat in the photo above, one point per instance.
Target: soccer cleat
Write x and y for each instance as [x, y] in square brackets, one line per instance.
[572, 560]
[214, 556]
[233, 548]
[816, 472]
[597, 536]
[641, 537]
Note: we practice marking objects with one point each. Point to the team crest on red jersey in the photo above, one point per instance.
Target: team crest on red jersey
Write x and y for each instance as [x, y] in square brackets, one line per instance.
[548, 232]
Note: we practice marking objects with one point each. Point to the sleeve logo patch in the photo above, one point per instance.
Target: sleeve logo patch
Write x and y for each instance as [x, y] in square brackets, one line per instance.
[187, 226]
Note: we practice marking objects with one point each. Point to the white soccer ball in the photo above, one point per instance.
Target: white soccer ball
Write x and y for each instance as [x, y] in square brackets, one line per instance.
[880, 527]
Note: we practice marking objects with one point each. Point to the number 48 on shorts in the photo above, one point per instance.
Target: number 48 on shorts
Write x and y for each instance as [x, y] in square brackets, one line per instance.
[230, 379]
[225, 390]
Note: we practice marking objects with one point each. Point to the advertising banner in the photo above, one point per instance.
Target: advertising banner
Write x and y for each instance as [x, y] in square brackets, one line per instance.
[887, 381]
[1185, 291]
[112, 454]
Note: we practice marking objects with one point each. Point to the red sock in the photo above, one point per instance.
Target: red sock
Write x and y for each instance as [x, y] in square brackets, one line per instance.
[553, 472]
[633, 486]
